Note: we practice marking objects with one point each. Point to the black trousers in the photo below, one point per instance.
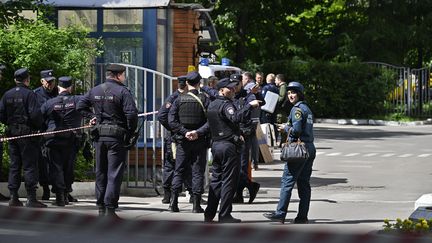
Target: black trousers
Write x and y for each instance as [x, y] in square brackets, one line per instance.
[169, 167]
[23, 155]
[110, 165]
[190, 155]
[224, 178]
[62, 157]
[43, 166]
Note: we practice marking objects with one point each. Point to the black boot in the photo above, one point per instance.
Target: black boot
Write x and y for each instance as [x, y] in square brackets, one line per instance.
[14, 200]
[101, 211]
[60, 199]
[32, 202]
[46, 193]
[238, 196]
[197, 204]
[3, 197]
[70, 198]
[167, 196]
[66, 198]
[173, 207]
[110, 212]
[253, 188]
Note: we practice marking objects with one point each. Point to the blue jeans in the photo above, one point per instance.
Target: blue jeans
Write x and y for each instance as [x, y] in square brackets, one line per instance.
[301, 174]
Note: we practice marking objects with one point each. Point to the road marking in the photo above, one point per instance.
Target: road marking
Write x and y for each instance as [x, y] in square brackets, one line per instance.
[352, 154]
[423, 155]
[370, 155]
[318, 153]
[387, 155]
[405, 155]
[333, 154]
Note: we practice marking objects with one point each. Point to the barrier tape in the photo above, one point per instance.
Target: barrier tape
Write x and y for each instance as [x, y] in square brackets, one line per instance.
[60, 131]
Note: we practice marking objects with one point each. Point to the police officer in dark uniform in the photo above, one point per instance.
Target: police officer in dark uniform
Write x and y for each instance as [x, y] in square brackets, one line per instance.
[188, 121]
[2, 197]
[115, 117]
[224, 119]
[60, 113]
[247, 94]
[47, 91]
[169, 158]
[19, 110]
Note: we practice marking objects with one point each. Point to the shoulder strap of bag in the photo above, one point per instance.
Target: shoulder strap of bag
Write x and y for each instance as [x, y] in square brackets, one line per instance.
[199, 101]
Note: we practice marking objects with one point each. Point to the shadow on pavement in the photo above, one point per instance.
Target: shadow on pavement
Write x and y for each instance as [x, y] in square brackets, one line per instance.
[274, 182]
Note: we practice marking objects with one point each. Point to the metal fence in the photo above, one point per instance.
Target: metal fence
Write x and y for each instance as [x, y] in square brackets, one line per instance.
[411, 93]
[149, 88]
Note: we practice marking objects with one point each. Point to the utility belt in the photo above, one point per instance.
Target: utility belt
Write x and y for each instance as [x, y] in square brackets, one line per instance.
[108, 130]
[236, 139]
[248, 130]
[18, 130]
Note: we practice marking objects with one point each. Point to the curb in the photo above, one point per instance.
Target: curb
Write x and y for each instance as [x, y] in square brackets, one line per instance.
[370, 122]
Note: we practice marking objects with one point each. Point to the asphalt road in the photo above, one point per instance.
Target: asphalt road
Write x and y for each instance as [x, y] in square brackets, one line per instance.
[362, 175]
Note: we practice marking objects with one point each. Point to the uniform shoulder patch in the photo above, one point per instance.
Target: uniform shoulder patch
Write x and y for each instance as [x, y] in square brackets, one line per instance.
[230, 110]
[298, 114]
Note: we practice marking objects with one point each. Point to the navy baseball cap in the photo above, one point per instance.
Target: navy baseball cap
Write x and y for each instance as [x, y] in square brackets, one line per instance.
[48, 75]
[21, 74]
[226, 83]
[116, 68]
[236, 77]
[65, 81]
[181, 80]
[193, 77]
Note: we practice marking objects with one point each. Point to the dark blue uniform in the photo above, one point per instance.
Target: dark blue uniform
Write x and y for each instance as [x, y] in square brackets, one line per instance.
[20, 111]
[248, 131]
[43, 95]
[62, 148]
[169, 160]
[224, 119]
[187, 114]
[117, 117]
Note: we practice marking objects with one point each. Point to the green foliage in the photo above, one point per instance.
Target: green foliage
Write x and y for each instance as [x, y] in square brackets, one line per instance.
[38, 45]
[338, 90]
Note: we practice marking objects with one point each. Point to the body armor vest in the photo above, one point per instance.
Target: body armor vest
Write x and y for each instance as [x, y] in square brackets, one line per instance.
[191, 113]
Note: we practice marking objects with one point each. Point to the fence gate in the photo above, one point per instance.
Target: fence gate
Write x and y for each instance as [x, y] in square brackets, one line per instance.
[412, 91]
[150, 88]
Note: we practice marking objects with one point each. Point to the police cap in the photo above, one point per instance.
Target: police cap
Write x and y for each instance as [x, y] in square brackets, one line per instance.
[65, 82]
[48, 75]
[236, 77]
[21, 74]
[193, 77]
[181, 80]
[226, 83]
[116, 68]
[295, 86]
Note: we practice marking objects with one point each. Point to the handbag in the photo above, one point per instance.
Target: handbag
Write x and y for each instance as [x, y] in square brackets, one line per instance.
[294, 152]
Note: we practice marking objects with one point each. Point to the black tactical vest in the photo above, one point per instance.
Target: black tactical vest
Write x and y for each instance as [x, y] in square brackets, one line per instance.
[220, 127]
[191, 113]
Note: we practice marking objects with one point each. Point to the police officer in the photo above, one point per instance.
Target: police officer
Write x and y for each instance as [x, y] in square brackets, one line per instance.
[169, 146]
[299, 126]
[224, 119]
[248, 130]
[210, 89]
[2, 197]
[19, 110]
[60, 113]
[115, 117]
[188, 121]
[46, 91]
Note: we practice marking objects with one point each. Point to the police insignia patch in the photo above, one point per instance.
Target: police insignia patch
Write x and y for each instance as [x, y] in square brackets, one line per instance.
[168, 105]
[230, 110]
[297, 114]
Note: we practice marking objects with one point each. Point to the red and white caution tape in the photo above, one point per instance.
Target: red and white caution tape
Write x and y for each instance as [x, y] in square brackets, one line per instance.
[60, 131]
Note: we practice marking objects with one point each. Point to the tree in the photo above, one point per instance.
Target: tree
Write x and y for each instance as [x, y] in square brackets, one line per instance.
[39, 45]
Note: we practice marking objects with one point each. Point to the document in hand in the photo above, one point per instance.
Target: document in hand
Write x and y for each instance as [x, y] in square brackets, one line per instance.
[271, 100]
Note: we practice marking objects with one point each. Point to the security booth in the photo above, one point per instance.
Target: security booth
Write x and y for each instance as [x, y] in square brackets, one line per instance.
[157, 40]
